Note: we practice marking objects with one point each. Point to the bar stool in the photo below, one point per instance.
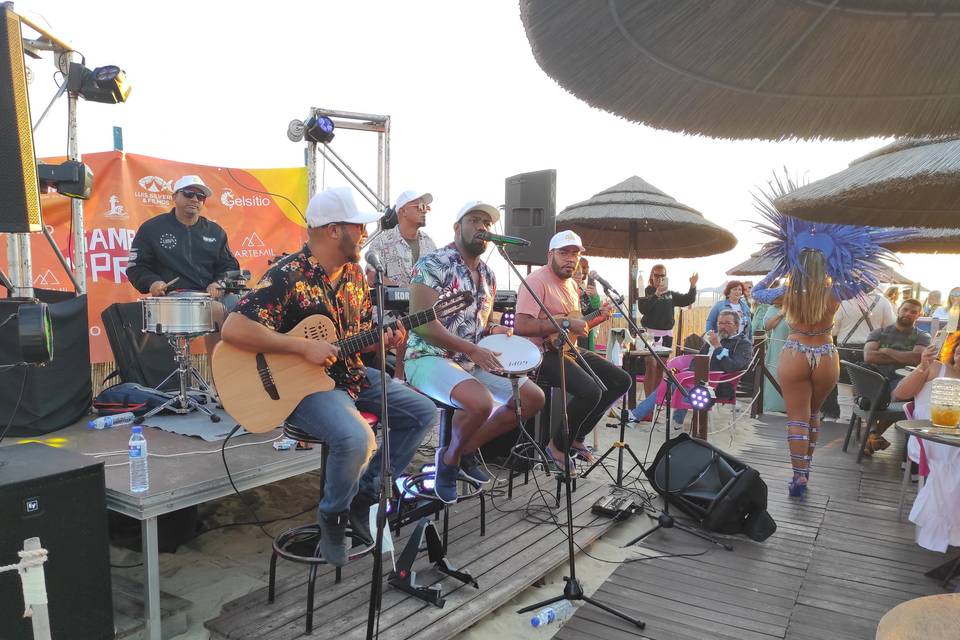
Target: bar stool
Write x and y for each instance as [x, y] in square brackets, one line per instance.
[295, 543]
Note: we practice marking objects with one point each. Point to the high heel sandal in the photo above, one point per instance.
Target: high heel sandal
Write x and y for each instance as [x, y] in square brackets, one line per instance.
[796, 489]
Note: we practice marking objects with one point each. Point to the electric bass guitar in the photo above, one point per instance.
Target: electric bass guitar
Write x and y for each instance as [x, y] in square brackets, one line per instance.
[259, 390]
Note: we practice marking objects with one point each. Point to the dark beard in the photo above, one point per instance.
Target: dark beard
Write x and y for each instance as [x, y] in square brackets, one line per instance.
[474, 248]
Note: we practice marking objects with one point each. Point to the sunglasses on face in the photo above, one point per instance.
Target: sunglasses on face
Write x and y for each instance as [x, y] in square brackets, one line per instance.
[189, 195]
[423, 207]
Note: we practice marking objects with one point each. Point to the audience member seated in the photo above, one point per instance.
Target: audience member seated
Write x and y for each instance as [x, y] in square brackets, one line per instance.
[893, 347]
[934, 511]
[729, 351]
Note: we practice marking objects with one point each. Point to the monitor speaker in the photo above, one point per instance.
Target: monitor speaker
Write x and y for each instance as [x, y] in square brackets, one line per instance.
[19, 187]
[59, 497]
[531, 213]
[719, 491]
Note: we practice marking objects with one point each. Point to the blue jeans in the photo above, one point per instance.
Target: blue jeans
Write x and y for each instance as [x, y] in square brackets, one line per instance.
[647, 405]
[352, 465]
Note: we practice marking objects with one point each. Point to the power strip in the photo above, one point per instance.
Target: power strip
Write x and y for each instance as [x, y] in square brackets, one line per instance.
[612, 506]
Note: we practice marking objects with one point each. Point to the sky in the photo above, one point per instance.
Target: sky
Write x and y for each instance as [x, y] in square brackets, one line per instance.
[218, 82]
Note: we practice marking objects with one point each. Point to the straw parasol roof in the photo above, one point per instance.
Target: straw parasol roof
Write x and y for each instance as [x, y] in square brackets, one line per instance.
[757, 265]
[636, 219]
[773, 69]
[928, 241]
[905, 184]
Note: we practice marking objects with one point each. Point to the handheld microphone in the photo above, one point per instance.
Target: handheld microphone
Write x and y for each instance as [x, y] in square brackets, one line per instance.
[374, 261]
[606, 285]
[501, 240]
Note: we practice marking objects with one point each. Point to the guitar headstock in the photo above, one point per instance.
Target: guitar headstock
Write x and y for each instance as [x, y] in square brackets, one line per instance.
[452, 302]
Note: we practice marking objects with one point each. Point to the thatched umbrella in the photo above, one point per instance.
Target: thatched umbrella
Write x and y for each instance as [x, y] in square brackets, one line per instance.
[634, 219]
[908, 183]
[773, 69]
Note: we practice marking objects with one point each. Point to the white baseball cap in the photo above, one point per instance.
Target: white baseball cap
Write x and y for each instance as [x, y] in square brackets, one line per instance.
[336, 205]
[565, 239]
[192, 181]
[479, 205]
[407, 197]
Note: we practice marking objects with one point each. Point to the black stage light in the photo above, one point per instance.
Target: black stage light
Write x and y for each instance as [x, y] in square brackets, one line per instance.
[35, 333]
[72, 178]
[318, 129]
[702, 397]
[106, 84]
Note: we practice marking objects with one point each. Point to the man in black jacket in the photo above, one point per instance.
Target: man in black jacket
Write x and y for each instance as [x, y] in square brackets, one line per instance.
[184, 245]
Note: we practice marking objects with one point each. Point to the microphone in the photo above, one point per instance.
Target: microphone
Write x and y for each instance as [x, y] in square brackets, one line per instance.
[501, 240]
[374, 261]
[606, 285]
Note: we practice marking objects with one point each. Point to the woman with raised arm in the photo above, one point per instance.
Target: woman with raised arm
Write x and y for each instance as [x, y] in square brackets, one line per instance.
[823, 264]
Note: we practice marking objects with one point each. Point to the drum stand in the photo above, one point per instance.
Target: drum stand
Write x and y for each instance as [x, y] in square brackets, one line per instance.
[181, 402]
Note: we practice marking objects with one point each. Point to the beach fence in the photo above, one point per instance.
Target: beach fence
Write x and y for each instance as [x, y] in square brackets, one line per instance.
[34, 586]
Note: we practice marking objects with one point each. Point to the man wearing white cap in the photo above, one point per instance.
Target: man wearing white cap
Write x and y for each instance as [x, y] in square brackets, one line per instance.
[399, 248]
[324, 277]
[182, 250]
[553, 283]
[444, 360]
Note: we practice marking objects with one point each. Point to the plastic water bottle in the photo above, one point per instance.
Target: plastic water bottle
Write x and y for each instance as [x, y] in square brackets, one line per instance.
[137, 454]
[108, 422]
[557, 611]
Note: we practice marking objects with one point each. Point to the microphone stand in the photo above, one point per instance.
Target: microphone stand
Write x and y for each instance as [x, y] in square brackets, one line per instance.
[386, 472]
[664, 519]
[573, 590]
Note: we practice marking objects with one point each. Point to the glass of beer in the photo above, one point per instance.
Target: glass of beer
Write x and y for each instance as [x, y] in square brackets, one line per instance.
[945, 402]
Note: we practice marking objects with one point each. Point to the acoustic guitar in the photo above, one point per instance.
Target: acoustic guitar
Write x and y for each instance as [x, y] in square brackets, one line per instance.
[260, 390]
[591, 319]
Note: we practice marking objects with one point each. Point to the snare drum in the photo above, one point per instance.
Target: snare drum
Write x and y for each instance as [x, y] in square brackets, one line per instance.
[518, 356]
[185, 313]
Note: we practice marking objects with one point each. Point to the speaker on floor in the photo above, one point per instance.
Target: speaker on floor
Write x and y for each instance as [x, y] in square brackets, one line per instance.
[19, 187]
[58, 496]
[531, 213]
[722, 493]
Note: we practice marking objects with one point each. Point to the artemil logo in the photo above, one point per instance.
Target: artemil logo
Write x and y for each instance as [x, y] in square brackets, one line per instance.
[46, 279]
[230, 200]
[253, 246]
[116, 208]
[156, 184]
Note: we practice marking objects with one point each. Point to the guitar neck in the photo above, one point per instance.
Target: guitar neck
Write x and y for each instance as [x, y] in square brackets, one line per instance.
[356, 343]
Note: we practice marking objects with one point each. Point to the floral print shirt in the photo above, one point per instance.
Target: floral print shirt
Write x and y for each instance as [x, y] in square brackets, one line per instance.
[396, 255]
[297, 287]
[444, 271]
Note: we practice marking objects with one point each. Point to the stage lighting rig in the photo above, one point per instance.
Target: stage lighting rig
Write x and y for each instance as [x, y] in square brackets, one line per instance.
[702, 397]
[106, 84]
[317, 128]
[34, 334]
[72, 178]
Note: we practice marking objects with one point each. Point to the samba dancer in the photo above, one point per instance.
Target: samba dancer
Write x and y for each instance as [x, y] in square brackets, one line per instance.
[445, 362]
[825, 264]
[554, 285]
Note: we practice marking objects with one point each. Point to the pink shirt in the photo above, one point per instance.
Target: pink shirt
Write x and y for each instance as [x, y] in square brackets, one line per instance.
[560, 296]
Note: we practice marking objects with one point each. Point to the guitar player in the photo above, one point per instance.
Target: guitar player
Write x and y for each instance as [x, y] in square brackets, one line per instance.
[554, 285]
[324, 277]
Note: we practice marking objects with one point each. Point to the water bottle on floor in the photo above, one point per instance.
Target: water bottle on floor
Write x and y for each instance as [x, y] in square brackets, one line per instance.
[557, 611]
[116, 420]
[137, 454]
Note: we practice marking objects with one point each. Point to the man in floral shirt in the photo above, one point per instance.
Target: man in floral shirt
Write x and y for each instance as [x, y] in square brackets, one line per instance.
[324, 278]
[444, 360]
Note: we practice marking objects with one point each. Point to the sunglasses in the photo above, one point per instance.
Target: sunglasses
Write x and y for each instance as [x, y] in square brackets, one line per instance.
[189, 195]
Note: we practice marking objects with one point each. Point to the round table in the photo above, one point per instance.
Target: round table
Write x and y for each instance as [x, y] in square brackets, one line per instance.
[925, 430]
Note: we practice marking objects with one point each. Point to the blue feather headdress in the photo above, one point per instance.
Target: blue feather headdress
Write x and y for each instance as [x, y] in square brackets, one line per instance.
[853, 254]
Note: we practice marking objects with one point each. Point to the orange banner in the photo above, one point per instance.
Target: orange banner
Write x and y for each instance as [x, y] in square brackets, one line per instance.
[128, 189]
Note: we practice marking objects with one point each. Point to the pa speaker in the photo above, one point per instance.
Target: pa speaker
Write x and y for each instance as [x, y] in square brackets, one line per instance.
[719, 491]
[19, 186]
[59, 497]
[531, 213]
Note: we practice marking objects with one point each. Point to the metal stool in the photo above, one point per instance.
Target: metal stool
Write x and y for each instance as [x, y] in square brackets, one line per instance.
[294, 543]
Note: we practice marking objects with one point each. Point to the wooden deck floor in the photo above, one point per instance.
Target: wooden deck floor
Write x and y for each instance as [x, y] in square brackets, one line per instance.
[514, 554]
[838, 561]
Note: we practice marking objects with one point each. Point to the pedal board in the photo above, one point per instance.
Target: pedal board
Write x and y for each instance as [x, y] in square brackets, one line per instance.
[612, 506]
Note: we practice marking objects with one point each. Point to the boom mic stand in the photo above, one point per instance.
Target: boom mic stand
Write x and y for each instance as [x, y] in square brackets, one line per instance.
[386, 472]
[664, 519]
[573, 590]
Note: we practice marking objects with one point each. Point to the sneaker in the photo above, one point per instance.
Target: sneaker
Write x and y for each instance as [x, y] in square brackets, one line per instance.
[446, 482]
[360, 517]
[333, 538]
[471, 469]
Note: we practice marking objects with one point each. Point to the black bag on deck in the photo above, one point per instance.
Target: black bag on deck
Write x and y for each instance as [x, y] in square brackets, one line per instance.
[141, 358]
[127, 396]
